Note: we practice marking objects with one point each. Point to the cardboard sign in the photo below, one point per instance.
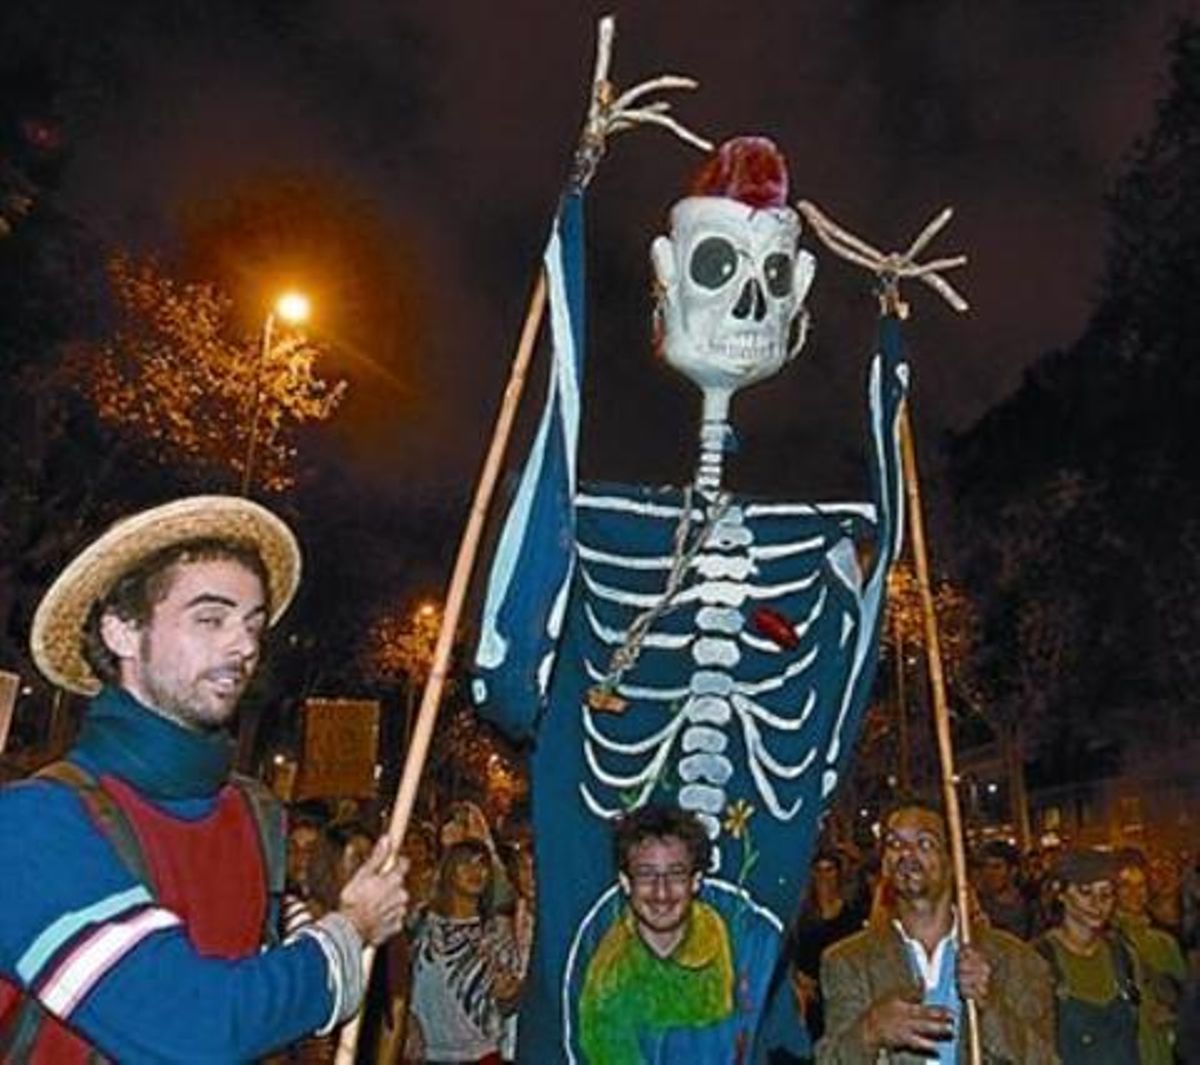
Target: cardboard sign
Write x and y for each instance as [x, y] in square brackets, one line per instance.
[10, 684]
[341, 743]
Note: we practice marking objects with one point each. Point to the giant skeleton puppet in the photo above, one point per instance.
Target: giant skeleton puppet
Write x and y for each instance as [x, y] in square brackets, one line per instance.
[685, 645]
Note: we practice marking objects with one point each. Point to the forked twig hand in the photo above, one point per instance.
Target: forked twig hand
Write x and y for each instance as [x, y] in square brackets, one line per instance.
[611, 112]
[891, 267]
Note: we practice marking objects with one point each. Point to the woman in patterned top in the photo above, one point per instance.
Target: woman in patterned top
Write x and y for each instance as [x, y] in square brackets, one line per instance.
[465, 969]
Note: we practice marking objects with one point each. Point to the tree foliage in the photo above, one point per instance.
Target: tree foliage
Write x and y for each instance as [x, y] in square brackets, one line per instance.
[958, 629]
[1080, 523]
[174, 377]
[399, 648]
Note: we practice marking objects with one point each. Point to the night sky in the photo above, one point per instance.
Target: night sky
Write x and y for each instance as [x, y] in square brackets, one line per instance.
[402, 160]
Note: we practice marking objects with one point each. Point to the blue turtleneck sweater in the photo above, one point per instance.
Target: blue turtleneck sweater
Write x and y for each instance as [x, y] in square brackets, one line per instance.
[91, 943]
[159, 757]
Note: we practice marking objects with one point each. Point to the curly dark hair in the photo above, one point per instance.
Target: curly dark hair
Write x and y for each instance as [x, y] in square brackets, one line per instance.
[135, 594]
[659, 821]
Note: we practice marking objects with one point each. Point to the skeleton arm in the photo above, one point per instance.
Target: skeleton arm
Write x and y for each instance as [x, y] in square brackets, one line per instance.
[887, 388]
[535, 557]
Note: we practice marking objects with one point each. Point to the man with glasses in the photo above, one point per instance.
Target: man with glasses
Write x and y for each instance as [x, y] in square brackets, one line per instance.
[681, 972]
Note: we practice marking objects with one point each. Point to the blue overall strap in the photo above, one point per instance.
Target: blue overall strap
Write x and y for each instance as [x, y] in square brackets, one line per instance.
[266, 812]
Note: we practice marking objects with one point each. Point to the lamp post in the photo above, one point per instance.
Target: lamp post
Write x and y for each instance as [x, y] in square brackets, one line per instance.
[291, 307]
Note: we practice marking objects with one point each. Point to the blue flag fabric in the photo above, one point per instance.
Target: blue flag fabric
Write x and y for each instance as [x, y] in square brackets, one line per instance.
[742, 704]
[534, 559]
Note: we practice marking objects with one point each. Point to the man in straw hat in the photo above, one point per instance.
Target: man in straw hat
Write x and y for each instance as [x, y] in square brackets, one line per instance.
[138, 874]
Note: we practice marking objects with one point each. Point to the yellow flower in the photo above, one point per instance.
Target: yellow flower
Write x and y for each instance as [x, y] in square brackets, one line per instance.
[737, 818]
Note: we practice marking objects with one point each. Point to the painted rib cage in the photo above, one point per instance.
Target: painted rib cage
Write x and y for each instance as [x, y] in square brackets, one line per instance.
[727, 708]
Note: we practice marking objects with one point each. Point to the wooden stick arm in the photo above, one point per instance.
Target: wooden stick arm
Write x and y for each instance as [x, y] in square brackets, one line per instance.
[611, 112]
[608, 113]
[891, 267]
[941, 715]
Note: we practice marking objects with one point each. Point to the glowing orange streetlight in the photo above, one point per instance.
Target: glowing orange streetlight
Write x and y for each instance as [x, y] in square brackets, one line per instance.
[293, 308]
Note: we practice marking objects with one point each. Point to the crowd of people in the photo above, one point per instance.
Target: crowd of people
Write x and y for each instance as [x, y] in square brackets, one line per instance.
[1076, 955]
[446, 989]
[142, 854]
[1115, 931]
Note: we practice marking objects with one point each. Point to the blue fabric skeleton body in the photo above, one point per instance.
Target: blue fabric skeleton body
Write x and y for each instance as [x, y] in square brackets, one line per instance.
[721, 715]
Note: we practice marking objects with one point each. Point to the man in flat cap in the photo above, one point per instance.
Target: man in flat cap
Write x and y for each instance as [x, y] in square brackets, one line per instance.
[137, 921]
[895, 992]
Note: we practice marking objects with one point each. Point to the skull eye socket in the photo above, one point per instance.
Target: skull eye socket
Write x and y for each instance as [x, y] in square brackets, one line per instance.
[714, 262]
[777, 271]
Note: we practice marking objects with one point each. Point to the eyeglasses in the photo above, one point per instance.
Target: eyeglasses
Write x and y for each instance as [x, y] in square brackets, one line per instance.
[674, 878]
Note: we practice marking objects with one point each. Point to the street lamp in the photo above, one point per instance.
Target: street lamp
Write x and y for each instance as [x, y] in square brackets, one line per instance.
[291, 307]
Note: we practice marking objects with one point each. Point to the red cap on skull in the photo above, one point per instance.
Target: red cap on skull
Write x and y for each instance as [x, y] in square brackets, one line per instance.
[749, 169]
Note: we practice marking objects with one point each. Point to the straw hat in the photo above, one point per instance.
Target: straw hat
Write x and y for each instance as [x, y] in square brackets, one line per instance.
[57, 636]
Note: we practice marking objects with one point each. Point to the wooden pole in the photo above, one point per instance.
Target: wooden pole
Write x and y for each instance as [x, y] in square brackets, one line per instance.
[10, 685]
[468, 549]
[941, 713]
[464, 564]
[903, 768]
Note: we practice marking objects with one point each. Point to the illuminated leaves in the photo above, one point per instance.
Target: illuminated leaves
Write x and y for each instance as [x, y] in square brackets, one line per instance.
[400, 647]
[175, 376]
[957, 621]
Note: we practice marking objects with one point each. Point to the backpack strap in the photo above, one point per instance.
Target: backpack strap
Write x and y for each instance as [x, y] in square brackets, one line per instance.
[21, 1029]
[266, 812]
[21, 1033]
[24, 1026]
[105, 813]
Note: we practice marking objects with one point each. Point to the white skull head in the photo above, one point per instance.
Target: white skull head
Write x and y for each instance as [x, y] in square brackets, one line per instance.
[732, 281]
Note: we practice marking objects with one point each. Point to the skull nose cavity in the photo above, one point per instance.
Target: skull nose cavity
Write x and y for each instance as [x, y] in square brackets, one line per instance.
[751, 303]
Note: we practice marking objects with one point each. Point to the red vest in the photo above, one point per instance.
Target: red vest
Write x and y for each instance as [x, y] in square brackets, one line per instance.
[223, 914]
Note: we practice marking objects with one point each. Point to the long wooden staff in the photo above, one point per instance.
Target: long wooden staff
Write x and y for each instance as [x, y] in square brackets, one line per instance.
[468, 548]
[941, 712]
[891, 268]
[608, 114]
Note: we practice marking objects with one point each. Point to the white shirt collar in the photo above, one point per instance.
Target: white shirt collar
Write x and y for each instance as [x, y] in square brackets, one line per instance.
[929, 967]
